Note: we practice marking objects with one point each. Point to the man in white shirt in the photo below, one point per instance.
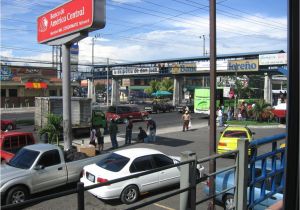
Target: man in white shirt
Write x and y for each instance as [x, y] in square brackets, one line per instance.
[220, 117]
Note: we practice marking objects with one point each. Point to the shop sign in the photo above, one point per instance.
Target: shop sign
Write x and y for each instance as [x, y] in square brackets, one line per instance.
[69, 18]
[5, 74]
[205, 65]
[273, 59]
[28, 71]
[135, 70]
[243, 65]
[36, 85]
[184, 68]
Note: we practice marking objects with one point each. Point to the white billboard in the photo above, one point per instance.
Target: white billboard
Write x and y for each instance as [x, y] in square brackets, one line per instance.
[205, 65]
[273, 59]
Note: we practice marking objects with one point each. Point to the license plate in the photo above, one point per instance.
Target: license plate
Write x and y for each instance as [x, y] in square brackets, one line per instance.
[90, 177]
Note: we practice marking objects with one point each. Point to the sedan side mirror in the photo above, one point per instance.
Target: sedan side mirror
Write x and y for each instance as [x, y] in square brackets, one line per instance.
[39, 167]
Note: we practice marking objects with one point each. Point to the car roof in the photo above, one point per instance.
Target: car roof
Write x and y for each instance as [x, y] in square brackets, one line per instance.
[13, 133]
[41, 147]
[137, 152]
[237, 128]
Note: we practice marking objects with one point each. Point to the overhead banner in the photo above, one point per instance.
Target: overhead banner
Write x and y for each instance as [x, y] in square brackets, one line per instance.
[205, 65]
[71, 17]
[273, 59]
[243, 65]
[135, 70]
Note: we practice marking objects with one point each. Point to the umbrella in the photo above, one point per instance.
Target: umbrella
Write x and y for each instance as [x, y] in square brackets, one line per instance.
[161, 93]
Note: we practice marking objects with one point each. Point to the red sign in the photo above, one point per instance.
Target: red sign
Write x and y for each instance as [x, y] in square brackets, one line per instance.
[36, 85]
[71, 17]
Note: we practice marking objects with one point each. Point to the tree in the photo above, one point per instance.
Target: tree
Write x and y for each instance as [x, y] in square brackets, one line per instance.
[53, 128]
[166, 84]
[262, 111]
[154, 86]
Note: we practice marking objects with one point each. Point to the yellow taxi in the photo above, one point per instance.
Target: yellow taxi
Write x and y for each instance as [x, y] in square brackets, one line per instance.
[229, 137]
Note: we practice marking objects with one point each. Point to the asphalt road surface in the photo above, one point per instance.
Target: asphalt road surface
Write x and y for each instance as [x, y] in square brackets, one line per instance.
[171, 143]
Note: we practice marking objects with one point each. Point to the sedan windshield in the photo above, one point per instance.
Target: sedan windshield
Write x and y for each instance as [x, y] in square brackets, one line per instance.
[24, 159]
[113, 162]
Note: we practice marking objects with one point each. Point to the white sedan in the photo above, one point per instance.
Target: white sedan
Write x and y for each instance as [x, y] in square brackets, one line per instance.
[127, 162]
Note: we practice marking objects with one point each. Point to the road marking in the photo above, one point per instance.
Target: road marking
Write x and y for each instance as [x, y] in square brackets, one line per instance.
[164, 207]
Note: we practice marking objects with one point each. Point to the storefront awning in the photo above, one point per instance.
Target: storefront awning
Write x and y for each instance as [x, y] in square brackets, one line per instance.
[36, 85]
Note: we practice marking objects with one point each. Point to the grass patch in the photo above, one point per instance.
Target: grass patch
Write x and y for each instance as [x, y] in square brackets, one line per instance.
[25, 122]
[250, 122]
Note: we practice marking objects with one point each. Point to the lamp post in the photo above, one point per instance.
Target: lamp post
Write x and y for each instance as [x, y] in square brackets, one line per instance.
[93, 70]
[203, 37]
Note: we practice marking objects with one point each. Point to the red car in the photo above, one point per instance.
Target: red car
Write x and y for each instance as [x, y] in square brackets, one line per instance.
[123, 112]
[280, 110]
[11, 142]
[8, 125]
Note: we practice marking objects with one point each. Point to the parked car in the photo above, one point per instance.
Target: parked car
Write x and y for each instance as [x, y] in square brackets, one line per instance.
[127, 162]
[11, 142]
[158, 107]
[36, 168]
[8, 125]
[229, 137]
[225, 180]
[124, 112]
[182, 107]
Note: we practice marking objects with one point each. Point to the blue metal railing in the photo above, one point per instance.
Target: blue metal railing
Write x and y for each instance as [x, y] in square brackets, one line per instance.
[272, 169]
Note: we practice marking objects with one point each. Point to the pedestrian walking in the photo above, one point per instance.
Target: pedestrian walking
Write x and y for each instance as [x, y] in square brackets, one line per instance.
[93, 136]
[128, 135]
[186, 120]
[142, 136]
[229, 113]
[151, 127]
[100, 140]
[220, 117]
[113, 130]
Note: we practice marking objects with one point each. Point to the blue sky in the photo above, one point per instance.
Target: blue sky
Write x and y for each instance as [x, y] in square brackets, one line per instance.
[141, 30]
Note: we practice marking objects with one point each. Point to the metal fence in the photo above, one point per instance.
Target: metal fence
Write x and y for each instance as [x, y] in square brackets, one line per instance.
[189, 181]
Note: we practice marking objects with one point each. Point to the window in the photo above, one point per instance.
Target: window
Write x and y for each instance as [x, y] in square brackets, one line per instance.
[235, 134]
[141, 164]
[49, 158]
[3, 92]
[24, 159]
[12, 92]
[14, 141]
[135, 109]
[112, 109]
[162, 160]
[113, 162]
[6, 144]
[52, 93]
[22, 140]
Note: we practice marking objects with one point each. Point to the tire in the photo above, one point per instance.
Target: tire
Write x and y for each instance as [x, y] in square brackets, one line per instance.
[229, 202]
[9, 127]
[17, 194]
[130, 194]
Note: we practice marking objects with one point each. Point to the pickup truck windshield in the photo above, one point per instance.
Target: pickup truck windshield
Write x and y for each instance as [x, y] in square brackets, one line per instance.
[24, 159]
[113, 162]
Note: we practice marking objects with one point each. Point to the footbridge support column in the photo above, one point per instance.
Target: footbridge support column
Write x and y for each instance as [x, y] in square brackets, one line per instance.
[268, 89]
[115, 95]
[177, 91]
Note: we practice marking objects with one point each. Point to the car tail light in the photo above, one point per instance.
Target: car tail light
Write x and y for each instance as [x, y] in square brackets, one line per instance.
[222, 144]
[101, 180]
[82, 173]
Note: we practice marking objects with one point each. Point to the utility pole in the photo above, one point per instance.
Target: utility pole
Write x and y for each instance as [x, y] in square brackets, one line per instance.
[107, 82]
[203, 38]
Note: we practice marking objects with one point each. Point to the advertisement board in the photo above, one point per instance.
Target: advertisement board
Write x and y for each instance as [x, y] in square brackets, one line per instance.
[205, 65]
[243, 65]
[273, 59]
[69, 18]
[135, 70]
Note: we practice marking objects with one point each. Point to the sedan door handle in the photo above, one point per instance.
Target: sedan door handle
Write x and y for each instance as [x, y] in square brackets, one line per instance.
[59, 169]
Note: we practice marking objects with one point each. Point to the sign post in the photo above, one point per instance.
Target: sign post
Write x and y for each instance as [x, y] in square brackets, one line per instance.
[65, 25]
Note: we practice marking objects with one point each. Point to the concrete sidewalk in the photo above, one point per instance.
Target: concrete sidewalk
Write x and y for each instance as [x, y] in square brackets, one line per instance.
[121, 136]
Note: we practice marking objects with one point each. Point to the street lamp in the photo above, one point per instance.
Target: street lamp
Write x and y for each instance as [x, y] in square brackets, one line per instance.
[203, 37]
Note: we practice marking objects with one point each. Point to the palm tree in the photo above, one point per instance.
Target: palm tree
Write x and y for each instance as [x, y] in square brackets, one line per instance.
[53, 128]
[154, 86]
[166, 84]
[262, 111]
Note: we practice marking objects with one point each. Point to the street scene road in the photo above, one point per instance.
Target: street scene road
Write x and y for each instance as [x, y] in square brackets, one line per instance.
[170, 140]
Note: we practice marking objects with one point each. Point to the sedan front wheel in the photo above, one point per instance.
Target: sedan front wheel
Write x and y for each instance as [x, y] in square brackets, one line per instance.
[130, 194]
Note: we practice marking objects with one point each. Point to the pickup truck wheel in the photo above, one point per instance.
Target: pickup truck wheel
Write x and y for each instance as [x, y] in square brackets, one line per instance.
[17, 194]
[130, 194]
[229, 202]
